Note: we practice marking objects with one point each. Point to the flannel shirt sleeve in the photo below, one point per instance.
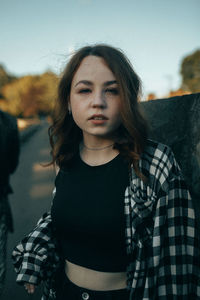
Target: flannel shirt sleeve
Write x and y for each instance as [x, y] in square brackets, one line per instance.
[179, 269]
[30, 255]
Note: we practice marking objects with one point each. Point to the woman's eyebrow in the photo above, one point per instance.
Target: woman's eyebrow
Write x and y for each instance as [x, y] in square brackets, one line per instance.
[84, 82]
[87, 82]
[110, 82]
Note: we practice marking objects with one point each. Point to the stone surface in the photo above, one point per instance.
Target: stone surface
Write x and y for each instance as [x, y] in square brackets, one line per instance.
[176, 122]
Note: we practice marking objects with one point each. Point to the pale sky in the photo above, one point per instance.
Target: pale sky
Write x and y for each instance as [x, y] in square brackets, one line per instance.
[154, 34]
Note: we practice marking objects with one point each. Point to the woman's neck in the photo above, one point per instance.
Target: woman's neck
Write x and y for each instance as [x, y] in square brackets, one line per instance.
[96, 157]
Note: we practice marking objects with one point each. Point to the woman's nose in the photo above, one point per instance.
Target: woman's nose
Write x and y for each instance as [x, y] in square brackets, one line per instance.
[98, 99]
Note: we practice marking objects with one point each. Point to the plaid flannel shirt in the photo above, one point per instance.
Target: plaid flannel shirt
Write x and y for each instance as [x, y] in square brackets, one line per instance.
[161, 236]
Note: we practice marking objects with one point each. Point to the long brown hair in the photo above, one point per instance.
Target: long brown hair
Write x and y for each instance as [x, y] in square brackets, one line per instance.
[131, 135]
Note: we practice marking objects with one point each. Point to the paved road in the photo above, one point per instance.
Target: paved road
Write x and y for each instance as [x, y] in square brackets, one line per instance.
[33, 185]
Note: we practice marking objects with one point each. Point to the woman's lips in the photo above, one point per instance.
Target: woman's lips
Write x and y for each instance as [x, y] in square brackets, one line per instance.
[98, 116]
[98, 121]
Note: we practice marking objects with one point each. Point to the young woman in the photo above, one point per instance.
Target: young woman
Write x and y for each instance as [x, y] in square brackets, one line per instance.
[121, 225]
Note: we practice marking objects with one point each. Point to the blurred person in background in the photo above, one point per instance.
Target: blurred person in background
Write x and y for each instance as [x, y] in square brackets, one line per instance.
[9, 155]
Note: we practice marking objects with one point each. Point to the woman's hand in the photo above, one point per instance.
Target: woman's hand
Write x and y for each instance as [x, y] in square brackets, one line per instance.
[29, 287]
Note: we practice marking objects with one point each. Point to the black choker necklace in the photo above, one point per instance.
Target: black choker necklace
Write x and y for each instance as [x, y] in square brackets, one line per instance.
[97, 148]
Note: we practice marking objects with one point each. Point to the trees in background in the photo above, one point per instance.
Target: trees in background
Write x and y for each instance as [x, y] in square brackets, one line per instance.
[50, 81]
[31, 95]
[5, 78]
[151, 96]
[190, 72]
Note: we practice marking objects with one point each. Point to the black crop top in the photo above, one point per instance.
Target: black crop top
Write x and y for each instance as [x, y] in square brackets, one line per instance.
[88, 214]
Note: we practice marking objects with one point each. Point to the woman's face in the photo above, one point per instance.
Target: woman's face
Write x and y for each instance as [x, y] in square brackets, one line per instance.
[94, 90]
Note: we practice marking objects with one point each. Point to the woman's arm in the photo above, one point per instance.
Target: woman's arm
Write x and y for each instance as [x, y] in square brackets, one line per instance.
[165, 239]
[179, 269]
[35, 257]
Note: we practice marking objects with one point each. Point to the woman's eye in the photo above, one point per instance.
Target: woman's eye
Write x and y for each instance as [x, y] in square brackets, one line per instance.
[112, 91]
[84, 91]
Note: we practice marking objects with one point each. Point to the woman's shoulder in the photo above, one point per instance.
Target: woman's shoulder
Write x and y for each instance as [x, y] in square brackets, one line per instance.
[156, 148]
[156, 159]
[156, 152]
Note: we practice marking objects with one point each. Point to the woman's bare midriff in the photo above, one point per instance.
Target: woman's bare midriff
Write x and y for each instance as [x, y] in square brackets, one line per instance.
[95, 280]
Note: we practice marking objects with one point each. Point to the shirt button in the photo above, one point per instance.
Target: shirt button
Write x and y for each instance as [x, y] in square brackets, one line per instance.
[85, 296]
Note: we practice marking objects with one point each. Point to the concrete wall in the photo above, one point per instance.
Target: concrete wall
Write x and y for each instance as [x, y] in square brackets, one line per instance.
[176, 122]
